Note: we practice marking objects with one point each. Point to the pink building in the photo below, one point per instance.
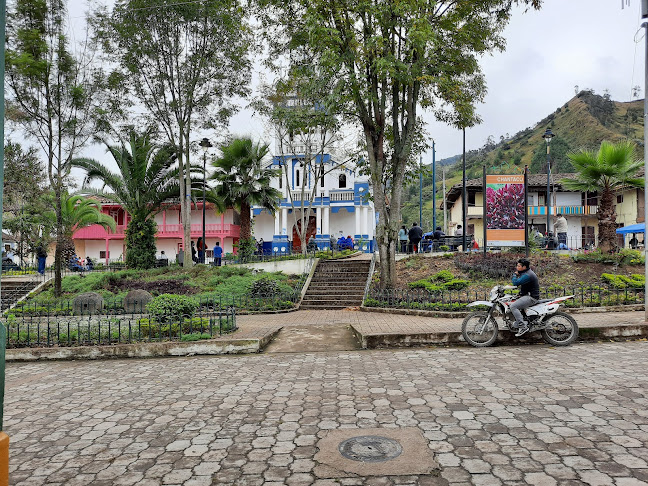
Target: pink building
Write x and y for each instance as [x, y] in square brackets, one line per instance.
[101, 244]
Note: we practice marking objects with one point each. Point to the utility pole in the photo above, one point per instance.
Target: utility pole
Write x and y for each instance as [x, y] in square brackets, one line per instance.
[421, 190]
[4, 438]
[644, 16]
[445, 207]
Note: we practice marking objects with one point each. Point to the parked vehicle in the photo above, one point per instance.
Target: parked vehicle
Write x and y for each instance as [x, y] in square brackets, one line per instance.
[480, 328]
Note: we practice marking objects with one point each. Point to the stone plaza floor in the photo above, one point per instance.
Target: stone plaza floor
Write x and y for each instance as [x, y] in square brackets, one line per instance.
[511, 415]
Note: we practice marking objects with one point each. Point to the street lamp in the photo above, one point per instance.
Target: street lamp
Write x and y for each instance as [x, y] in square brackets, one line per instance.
[206, 145]
[548, 135]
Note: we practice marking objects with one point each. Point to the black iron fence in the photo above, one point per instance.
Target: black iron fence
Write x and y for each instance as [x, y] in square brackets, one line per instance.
[91, 329]
[32, 271]
[456, 300]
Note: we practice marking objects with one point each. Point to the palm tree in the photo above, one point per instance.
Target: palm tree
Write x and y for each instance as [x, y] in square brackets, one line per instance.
[146, 177]
[77, 212]
[243, 181]
[613, 168]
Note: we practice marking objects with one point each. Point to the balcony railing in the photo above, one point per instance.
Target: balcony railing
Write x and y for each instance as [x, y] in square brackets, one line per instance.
[164, 231]
[478, 211]
[336, 196]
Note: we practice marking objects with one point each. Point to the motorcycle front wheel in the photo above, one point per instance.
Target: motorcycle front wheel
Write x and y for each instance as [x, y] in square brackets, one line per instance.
[560, 329]
[479, 330]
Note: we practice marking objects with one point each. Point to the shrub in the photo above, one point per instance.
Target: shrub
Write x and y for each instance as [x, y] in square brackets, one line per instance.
[167, 306]
[140, 243]
[444, 248]
[442, 276]
[624, 257]
[263, 287]
[456, 284]
[622, 281]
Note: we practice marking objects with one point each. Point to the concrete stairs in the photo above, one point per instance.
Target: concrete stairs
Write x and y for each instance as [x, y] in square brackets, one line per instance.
[337, 284]
[12, 290]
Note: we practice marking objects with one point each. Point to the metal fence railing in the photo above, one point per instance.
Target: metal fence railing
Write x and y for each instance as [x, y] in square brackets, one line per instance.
[584, 296]
[32, 271]
[92, 329]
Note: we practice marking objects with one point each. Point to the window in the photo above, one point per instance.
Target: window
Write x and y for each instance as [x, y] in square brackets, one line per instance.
[297, 181]
[322, 175]
[281, 180]
[471, 198]
[619, 198]
[102, 254]
[541, 199]
[589, 199]
[342, 181]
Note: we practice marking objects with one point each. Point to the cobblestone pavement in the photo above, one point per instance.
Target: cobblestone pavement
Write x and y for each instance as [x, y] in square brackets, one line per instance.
[505, 415]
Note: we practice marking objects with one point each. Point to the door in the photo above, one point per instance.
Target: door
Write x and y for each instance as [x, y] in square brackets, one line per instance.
[310, 231]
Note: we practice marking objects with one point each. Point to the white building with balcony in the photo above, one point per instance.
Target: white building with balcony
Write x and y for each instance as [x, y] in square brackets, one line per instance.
[341, 206]
[579, 209]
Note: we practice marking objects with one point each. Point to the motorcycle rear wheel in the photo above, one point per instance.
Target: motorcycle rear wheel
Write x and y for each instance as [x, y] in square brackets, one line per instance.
[477, 331]
[560, 329]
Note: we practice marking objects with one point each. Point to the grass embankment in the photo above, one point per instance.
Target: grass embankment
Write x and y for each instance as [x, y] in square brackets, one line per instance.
[200, 281]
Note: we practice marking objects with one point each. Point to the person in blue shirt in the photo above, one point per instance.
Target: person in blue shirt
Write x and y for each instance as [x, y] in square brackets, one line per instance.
[218, 254]
[529, 285]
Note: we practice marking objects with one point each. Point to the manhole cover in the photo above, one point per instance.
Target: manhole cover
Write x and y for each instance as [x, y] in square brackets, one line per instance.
[370, 448]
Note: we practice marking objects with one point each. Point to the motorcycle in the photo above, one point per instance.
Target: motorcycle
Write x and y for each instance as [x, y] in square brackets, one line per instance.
[480, 328]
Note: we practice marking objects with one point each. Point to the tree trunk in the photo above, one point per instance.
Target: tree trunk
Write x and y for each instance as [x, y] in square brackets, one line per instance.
[246, 226]
[607, 223]
[185, 205]
[59, 243]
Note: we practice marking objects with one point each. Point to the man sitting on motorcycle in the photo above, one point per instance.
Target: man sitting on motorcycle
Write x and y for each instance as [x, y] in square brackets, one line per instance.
[527, 280]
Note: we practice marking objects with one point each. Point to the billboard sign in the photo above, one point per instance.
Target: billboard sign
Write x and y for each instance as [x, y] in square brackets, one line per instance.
[505, 210]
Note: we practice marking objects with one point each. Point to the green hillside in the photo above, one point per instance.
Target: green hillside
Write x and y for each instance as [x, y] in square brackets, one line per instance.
[583, 122]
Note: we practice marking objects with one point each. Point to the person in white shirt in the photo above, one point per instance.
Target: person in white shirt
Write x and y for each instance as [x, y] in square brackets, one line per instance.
[560, 229]
[459, 231]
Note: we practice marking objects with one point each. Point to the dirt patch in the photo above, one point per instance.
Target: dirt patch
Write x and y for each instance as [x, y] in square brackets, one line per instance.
[566, 273]
[155, 287]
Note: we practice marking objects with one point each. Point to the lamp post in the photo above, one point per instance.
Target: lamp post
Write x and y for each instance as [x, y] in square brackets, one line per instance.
[433, 187]
[421, 190]
[548, 135]
[206, 145]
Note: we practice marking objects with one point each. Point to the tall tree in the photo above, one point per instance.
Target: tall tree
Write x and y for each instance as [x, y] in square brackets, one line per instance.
[183, 68]
[607, 171]
[147, 175]
[52, 91]
[26, 198]
[388, 59]
[243, 181]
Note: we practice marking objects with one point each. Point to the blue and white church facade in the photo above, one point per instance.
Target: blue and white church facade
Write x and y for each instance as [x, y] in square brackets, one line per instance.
[342, 206]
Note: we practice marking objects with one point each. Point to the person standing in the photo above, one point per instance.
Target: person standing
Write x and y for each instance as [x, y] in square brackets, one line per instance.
[193, 252]
[560, 229]
[218, 254]
[201, 250]
[415, 236]
[402, 238]
[41, 254]
[459, 231]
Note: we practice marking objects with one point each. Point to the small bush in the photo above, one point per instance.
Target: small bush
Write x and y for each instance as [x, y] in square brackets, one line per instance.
[444, 248]
[442, 276]
[456, 284]
[167, 306]
[263, 287]
[622, 281]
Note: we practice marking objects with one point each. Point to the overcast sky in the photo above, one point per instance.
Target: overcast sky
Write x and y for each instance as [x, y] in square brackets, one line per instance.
[585, 43]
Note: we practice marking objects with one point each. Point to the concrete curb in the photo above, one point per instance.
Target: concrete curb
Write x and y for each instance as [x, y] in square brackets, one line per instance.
[387, 340]
[459, 314]
[143, 350]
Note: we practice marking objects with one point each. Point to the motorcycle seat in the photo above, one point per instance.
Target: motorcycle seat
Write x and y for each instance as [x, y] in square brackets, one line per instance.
[543, 301]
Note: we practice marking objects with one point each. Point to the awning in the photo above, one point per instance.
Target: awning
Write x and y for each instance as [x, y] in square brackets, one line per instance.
[633, 228]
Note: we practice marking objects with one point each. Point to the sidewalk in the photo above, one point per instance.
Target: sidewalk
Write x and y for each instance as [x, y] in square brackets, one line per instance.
[374, 328]
[383, 329]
